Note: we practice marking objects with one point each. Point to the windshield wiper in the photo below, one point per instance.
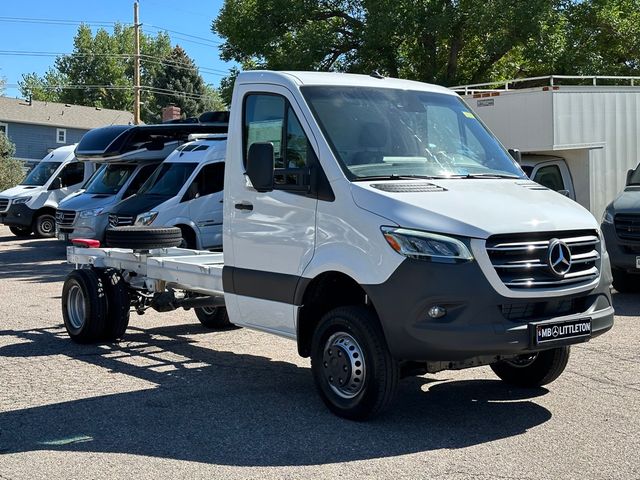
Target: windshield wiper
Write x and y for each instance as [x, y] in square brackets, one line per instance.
[491, 175]
[393, 177]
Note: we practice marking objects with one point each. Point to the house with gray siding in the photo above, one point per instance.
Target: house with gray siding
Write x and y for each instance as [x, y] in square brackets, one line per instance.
[36, 128]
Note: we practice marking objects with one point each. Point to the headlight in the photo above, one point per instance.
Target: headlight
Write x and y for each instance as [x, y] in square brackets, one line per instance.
[607, 217]
[426, 246]
[91, 213]
[20, 201]
[146, 218]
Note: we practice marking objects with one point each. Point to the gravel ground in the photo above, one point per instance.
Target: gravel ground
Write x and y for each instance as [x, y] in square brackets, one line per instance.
[176, 401]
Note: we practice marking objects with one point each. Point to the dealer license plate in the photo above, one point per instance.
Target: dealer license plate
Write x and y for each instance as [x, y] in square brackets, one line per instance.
[638, 262]
[555, 331]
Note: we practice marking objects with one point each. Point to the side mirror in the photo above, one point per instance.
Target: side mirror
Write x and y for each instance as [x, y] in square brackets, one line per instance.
[56, 184]
[515, 153]
[260, 164]
[566, 193]
[629, 175]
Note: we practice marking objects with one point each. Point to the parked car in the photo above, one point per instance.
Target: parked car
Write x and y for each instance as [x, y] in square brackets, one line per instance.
[621, 229]
[184, 191]
[549, 171]
[31, 206]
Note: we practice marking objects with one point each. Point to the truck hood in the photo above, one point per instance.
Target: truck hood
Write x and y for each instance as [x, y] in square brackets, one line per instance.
[475, 208]
[137, 204]
[86, 201]
[21, 191]
[628, 201]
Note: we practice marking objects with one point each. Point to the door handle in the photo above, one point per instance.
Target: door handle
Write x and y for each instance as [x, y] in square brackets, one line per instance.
[244, 206]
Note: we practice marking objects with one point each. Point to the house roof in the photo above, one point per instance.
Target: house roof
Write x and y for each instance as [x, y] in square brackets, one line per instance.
[59, 114]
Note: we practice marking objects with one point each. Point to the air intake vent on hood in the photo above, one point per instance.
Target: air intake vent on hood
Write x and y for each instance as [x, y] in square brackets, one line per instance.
[531, 185]
[408, 187]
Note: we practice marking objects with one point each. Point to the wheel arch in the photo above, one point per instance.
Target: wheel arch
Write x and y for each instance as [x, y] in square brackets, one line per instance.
[191, 230]
[317, 296]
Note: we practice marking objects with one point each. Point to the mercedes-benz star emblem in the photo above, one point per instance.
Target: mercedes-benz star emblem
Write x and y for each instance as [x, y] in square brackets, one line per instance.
[559, 257]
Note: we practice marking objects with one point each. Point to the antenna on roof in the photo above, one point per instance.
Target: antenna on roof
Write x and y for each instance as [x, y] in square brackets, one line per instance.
[376, 74]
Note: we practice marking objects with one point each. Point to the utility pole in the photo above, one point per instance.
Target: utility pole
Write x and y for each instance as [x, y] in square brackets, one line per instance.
[136, 66]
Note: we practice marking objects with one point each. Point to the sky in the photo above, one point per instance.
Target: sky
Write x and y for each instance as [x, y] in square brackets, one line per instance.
[189, 17]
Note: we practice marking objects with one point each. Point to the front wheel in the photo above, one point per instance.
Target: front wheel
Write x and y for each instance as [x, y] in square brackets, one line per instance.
[21, 232]
[352, 367]
[533, 370]
[45, 225]
[625, 282]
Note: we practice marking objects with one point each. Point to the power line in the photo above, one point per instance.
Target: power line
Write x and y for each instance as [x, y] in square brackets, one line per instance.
[53, 21]
[214, 42]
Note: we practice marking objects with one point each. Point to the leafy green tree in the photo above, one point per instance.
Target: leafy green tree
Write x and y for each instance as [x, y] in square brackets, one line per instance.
[11, 172]
[100, 71]
[180, 74]
[442, 41]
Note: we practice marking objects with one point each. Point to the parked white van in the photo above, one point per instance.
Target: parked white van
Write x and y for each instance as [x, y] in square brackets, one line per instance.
[31, 206]
[185, 191]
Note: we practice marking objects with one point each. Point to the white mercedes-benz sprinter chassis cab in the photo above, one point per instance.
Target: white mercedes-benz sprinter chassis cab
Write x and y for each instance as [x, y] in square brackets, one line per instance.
[378, 224]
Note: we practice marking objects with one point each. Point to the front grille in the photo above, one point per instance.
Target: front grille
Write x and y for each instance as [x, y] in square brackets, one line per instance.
[4, 204]
[522, 260]
[120, 220]
[628, 226]
[65, 218]
[542, 310]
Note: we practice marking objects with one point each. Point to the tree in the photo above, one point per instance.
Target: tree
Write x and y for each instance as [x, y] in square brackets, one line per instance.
[11, 172]
[180, 74]
[100, 70]
[442, 41]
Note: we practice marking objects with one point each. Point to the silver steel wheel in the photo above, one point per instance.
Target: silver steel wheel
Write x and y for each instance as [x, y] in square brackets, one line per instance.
[47, 225]
[76, 307]
[344, 366]
[522, 361]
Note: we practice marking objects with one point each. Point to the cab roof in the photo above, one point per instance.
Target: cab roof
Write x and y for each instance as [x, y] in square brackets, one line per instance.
[60, 154]
[200, 150]
[332, 79]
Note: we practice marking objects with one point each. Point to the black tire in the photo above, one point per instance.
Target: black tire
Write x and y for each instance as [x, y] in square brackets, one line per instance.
[215, 318]
[143, 238]
[84, 306]
[21, 232]
[118, 304]
[535, 370]
[368, 387]
[625, 282]
[45, 225]
[188, 238]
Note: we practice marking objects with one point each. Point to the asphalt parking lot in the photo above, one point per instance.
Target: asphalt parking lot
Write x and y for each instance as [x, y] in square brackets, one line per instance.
[173, 400]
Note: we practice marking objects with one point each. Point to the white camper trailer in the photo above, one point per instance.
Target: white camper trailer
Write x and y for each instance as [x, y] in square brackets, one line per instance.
[592, 123]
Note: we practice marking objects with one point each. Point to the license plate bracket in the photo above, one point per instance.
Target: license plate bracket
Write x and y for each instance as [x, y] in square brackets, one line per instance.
[543, 333]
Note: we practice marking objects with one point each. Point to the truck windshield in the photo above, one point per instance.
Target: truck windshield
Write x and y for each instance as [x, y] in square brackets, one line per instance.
[109, 179]
[389, 133]
[41, 173]
[168, 179]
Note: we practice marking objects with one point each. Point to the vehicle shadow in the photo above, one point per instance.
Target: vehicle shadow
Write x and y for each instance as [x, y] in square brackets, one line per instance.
[626, 304]
[226, 408]
[27, 261]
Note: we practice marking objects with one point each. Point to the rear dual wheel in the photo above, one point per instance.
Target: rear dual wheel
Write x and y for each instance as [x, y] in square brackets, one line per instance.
[215, 318]
[95, 305]
[45, 225]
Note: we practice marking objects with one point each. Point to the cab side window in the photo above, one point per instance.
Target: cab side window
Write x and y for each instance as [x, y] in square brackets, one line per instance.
[143, 175]
[72, 174]
[209, 180]
[270, 118]
[550, 177]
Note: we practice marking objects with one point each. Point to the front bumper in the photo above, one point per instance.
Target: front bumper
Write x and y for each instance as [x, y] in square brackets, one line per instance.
[479, 321]
[90, 227]
[622, 253]
[17, 216]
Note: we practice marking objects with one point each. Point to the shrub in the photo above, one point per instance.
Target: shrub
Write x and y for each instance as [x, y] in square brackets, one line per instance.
[11, 172]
